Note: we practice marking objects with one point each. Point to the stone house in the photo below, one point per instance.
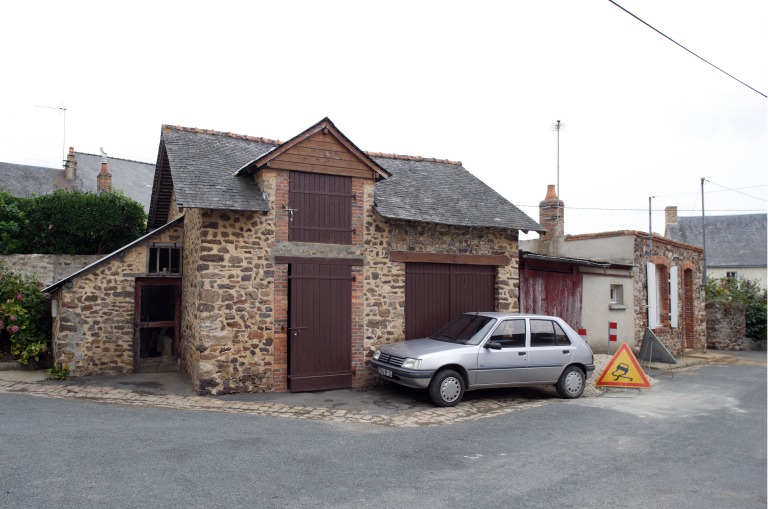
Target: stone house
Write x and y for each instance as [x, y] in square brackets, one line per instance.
[621, 277]
[736, 245]
[274, 266]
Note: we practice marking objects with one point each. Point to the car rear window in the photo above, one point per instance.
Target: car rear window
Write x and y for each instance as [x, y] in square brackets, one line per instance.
[464, 329]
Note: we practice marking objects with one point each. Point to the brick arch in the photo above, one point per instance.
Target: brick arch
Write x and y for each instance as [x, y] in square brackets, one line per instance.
[686, 265]
[662, 264]
[661, 260]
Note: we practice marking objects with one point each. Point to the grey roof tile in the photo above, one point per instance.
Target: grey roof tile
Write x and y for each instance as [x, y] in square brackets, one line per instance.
[732, 241]
[22, 180]
[445, 193]
[132, 178]
[203, 164]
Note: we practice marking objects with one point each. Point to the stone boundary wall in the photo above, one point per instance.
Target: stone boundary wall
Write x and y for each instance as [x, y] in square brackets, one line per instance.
[727, 326]
[47, 268]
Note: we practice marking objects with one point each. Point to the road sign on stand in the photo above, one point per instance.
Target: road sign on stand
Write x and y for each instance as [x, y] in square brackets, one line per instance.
[623, 370]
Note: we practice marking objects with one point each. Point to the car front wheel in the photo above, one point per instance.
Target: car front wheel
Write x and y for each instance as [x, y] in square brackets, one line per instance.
[571, 383]
[446, 388]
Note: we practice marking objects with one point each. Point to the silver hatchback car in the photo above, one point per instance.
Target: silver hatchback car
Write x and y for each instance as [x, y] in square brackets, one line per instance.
[484, 350]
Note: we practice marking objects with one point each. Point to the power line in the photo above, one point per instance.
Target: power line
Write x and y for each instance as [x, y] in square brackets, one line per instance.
[643, 210]
[735, 191]
[686, 49]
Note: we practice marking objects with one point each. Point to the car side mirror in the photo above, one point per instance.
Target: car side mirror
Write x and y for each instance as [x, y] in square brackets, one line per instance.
[492, 345]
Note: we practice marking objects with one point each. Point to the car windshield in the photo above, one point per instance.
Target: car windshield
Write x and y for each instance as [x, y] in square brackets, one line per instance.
[464, 329]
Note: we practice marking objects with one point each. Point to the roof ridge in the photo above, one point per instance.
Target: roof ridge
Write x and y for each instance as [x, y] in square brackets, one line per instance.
[412, 158]
[269, 141]
[118, 158]
[213, 132]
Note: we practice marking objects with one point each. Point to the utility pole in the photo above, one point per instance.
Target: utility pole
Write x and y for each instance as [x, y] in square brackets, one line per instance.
[703, 236]
[650, 228]
[558, 125]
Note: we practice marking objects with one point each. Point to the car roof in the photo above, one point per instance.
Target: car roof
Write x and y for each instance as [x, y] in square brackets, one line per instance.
[501, 315]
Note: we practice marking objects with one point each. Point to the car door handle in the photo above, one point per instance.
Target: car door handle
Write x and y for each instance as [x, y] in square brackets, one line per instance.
[566, 352]
[522, 354]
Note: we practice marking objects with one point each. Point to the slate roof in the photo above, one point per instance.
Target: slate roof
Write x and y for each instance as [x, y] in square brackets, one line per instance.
[203, 166]
[133, 178]
[21, 180]
[732, 241]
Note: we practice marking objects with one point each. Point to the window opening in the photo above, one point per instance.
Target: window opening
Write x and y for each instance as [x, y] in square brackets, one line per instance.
[510, 334]
[164, 259]
[542, 333]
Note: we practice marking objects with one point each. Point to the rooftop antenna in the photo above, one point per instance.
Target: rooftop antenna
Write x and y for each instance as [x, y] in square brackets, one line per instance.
[556, 127]
[64, 134]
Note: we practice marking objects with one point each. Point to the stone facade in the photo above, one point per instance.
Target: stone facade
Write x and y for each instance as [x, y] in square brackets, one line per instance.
[691, 332]
[94, 313]
[235, 294]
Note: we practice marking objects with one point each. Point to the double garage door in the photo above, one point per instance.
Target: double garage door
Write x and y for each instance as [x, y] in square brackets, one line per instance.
[436, 292]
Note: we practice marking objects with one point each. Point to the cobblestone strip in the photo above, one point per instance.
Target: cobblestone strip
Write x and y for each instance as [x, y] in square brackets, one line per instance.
[465, 412]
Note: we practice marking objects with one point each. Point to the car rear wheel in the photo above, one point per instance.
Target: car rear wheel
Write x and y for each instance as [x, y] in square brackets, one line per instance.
[571, 383]
[446, 388]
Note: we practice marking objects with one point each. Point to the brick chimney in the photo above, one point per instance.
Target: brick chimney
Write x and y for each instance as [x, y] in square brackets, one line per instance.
[70, 165]
[104, 178]
[551, 214]
[670, 215]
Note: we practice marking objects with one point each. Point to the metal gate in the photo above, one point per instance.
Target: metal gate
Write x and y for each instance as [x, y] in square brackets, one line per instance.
[320, 327]
[158, 305]
[436, 292]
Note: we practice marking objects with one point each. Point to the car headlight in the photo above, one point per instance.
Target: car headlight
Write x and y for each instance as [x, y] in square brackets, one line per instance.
[376, 354]
[411, 363]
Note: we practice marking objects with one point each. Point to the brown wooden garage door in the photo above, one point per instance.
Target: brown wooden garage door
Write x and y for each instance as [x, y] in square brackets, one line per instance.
[436, 292]
[320, 328]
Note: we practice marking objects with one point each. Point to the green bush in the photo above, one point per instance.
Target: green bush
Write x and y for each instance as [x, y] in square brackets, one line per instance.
[69, 222]
[747, 292]
[24, 317]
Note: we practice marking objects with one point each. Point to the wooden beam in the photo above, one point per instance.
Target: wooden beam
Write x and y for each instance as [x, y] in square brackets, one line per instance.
[460, 259]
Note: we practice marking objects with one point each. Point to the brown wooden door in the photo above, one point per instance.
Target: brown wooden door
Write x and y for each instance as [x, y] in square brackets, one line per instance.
[552, 293]
[320, 328]
[436, 292]
[320, 207]
[157, 332]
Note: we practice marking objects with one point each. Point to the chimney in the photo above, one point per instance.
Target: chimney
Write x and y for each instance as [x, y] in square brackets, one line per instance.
[670, 215]
[551, 214]
[104, 178]
[70, 165]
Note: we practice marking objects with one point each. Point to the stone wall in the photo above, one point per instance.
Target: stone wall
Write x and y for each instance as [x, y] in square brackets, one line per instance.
[727, 326]
[671, 254]
[93, 330]
[47, 268]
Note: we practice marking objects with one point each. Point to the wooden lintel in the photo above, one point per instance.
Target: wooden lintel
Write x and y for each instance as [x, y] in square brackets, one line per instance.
[319, 261]
[460, 259]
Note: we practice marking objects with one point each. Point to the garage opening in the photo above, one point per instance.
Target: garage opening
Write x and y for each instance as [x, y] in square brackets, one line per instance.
[436, 292]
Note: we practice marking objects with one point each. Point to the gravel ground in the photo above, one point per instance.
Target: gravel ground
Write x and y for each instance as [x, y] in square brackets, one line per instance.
[601, 361]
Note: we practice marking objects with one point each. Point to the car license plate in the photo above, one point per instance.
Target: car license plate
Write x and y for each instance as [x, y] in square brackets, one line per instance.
[385, 372]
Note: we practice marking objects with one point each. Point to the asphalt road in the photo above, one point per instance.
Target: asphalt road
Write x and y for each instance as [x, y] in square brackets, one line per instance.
[695, 440]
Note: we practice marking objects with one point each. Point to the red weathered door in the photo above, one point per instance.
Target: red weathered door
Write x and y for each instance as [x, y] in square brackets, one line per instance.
[436, 292]
[320, 327]
[552, 293]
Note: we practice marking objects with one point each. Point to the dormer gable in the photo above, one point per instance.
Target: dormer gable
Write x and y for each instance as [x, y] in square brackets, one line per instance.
[320, 149]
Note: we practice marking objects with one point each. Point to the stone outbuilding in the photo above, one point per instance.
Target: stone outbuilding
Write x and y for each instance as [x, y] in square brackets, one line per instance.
[623, 277]
[274, 266]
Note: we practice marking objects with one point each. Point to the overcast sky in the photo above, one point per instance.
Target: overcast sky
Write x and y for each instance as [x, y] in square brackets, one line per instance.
[479, 82]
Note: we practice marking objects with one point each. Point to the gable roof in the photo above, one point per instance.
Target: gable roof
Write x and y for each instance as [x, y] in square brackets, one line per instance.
[133, 178]
[21, 180]
[108, 257]
[210, 169]
[732, 241]
[326, 126]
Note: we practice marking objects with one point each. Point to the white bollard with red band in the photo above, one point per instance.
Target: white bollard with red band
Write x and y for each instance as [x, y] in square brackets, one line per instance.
[613, 334]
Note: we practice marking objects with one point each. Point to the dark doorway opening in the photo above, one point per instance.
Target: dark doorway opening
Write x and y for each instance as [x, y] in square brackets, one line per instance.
[158, 306]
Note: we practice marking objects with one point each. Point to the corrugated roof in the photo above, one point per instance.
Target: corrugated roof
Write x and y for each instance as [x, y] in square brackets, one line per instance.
[732, 241]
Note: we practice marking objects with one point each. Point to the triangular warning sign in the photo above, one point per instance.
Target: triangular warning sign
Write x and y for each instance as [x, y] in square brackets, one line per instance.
[623, 371]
